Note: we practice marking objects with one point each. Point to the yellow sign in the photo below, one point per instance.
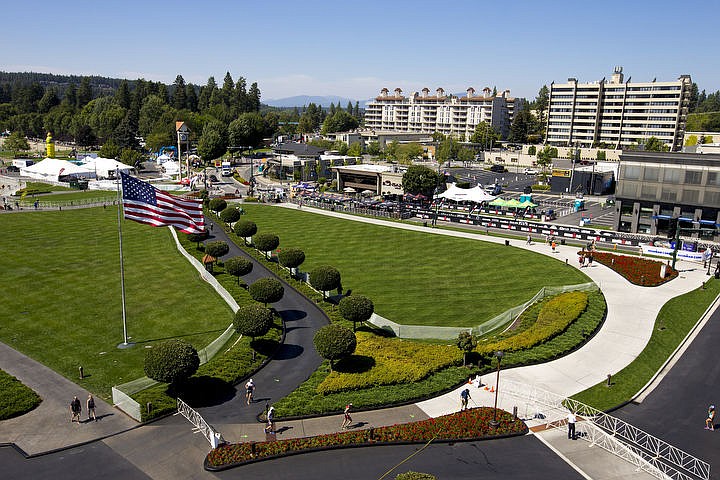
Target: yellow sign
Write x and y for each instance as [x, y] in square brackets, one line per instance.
[560, 172]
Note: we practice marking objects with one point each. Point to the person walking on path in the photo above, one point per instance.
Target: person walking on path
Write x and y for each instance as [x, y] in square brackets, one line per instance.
[464, 398]
[710, 420]
[249, 390]
[270, 428]
[347, 419]
[553, 245]
[75, 409]
[571, 425]
[529, 240]
[589, 260]
[91, 408]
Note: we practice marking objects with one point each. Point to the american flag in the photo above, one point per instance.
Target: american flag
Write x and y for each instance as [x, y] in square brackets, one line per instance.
[146, 204]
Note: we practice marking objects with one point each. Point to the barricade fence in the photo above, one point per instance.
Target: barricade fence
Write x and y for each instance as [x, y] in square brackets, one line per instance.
[212, 436]
[449, 333]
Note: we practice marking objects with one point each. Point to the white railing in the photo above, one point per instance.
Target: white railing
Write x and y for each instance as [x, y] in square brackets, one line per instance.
[649, 453]
[215, 438]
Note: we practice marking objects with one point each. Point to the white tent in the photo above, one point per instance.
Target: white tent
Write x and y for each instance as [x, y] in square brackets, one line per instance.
[171, 168]
[105, 167]
[456, 194]
[52, 169]
[164, 158]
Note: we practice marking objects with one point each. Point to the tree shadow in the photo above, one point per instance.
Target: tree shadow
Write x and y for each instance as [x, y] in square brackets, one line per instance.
[179, 336]
[287, 352]
[264, 346]
[203, 391]
[292, 315]
[354, 364]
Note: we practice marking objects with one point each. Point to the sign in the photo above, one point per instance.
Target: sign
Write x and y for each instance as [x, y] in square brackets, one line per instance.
[561, 172]
[668, 252]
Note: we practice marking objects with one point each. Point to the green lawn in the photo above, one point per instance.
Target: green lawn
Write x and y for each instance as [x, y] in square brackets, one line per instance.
[75, 196]
[61, 294]
[674, 321]
[412, 277]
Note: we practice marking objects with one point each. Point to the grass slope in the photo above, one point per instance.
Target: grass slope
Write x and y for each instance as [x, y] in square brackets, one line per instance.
[412, 277]
[61, 296]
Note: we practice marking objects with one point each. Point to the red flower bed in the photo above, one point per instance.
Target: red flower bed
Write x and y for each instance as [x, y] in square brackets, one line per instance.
[472, 424]
[637, 270]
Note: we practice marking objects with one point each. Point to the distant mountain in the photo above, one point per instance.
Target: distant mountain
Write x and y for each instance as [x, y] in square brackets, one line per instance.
[302, 100]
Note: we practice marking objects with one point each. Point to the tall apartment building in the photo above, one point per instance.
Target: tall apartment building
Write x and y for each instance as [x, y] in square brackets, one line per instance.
[447, 114]
[618, 113]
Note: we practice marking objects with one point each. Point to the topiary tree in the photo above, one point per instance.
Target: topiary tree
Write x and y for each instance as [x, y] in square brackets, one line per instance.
[217, 249]
[266, 242]
[325, 278]
[466, 343]
[253, 320]
[198, 237]
[245, 229]
[356, 308]
[230, 215]
[334, 342]
[173, 361]
[238, 267]
[415, 476]
[291, 258]
[267, 290]
[217, 205]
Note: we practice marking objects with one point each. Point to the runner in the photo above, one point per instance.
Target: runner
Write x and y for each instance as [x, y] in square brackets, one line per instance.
[249, 390]
[347, 420]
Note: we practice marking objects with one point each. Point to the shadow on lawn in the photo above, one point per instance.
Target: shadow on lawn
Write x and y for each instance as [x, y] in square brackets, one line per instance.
[354, 364]
[203, 391]
[179, 336]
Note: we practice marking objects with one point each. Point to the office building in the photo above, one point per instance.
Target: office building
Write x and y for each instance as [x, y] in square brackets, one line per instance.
[618, 113]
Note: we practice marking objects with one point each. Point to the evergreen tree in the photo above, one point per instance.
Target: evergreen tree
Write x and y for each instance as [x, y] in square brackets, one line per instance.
[228, 91]
[205, 93]
[70, 96]
[694, 97]
[331, 110]
[122, 95]
[179, 100]
[162, 92]
[356, 113]
[191, 99]
[349, 108]
[254, 97]
[84, 93]
[241, 96]
[494, 94]
[48, 100]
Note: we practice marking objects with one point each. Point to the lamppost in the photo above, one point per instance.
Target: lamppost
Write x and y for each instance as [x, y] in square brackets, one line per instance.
[494, 422]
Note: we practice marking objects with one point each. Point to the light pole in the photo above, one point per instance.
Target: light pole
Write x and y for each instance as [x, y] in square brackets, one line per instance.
[494, 422]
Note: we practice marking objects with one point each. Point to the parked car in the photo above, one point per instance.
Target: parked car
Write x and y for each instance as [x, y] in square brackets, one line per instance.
[531, 171]
[527, 189]
[498, 169]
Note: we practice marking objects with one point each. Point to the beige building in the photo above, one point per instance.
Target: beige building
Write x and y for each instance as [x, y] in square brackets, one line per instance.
[618, 113]
[445, 113]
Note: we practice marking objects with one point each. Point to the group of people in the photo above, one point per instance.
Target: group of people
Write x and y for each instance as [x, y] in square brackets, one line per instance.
[76, 409]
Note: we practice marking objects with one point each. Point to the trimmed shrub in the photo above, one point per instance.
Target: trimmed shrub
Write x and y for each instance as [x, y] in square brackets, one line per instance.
[230, 215]
[172, 361]
[356, 308]
[415, 476]
[217, 205]
[325, 278]
[266, 290]
[217, 249]
[238, 267]
[245, 229]
[291, 257]
[17, 399]
[334, 342]
[253, 320]
[466, 343]
[266, 242]
[198, 237]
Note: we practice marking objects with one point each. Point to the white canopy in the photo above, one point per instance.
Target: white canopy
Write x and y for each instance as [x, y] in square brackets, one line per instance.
[457, 194]
[52, 169]
[171, 168]
[105, 167]
[164, 158]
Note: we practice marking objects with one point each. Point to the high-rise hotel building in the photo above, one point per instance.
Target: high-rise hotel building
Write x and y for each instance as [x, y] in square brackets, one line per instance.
[618, 113]
[444, 113]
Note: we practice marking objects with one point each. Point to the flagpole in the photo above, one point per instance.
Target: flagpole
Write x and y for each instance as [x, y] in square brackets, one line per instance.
[125, 343]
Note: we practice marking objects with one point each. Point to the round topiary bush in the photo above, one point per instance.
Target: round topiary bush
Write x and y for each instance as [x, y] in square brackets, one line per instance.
[266, 290]
[217, 249]
[238, 267]
[198, 237]
[230, 215]
[253, 320]
[172, 361]
[217, 205]
[291, 257]
[356, 308]
[334, 342]
[325, 278]
[245, 229]
[266, 242]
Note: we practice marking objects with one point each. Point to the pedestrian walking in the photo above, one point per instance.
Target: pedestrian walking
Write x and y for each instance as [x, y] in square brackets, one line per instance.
[347, 419]
[581, 259]
[529, 240]
[553, 245]
[249, 390]
[589, 260]
[270, 428]
[571, 425]
[91, 407]
[75, 409]
[464, 398]
[710, 420]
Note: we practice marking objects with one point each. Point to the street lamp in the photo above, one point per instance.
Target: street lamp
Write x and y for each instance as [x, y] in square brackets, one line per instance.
[494, 422]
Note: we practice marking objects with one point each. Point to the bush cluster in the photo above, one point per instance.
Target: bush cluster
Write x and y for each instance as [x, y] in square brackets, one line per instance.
[334, 342]
[253, 320]
[267, 290]
[171, 361]
[554, 317]
[391, 361]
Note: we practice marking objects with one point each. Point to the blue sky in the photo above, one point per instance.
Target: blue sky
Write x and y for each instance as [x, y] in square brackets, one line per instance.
[353, 49]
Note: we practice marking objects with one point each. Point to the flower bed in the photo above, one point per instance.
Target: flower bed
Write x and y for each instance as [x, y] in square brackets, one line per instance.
[472, 424]
[637, 270]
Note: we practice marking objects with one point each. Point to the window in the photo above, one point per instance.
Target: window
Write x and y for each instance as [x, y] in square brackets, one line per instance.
[671, 175]
[631, 172]
[668, 195]
[693, 177]
[648, 192]
[691, 196]
[713, 178]
[651, 174]
[712, 198]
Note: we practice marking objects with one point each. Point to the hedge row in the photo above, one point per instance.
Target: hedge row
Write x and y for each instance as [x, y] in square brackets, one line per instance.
[387, 361]
[17, 398]
[554, 317]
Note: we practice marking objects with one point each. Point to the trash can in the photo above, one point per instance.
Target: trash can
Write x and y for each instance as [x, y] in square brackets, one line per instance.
[562, 241]
[507, 243]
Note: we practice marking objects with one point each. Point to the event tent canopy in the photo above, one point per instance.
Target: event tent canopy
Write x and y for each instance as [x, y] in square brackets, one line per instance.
[105, 167]
[457, 194]
[52, 169]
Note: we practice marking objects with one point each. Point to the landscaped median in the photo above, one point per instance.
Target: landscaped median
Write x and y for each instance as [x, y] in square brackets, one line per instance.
[468, 425]
[636, 270]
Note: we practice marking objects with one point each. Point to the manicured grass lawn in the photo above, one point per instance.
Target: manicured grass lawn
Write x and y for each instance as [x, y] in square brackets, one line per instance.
[64, 198]
[16, 397]
[412, 277]
[674, 321]
[61, 294]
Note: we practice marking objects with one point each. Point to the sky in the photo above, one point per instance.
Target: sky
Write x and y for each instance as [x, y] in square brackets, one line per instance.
[355, 48]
